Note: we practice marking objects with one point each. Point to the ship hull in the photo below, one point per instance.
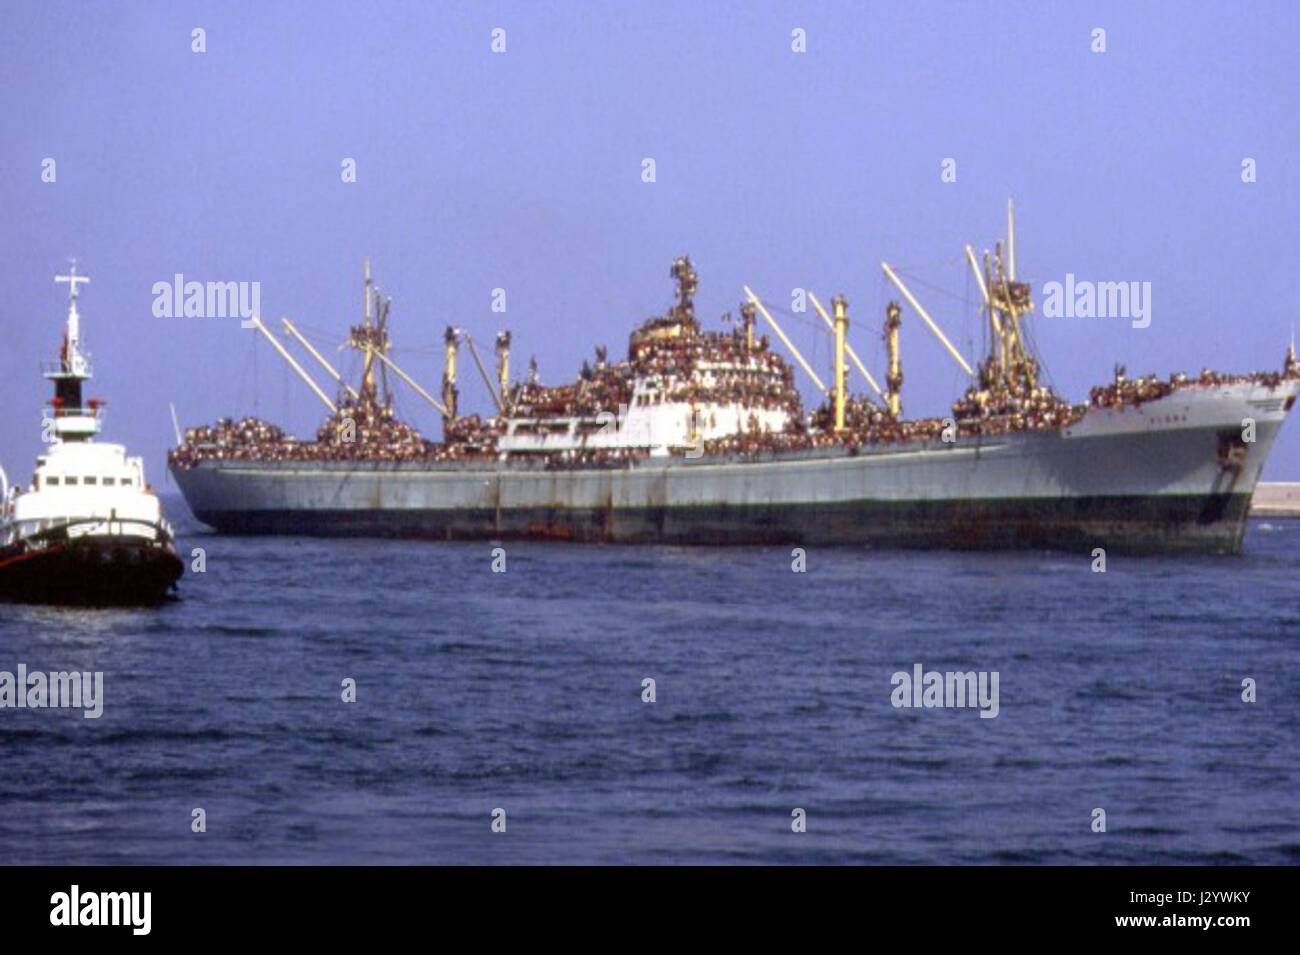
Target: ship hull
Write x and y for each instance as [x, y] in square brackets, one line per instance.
[1135, 479]
[1126, 524]
[89, 571]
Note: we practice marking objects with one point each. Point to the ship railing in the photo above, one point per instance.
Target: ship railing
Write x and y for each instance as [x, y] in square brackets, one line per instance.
[57, 367]
[85, 411]
[49, 528]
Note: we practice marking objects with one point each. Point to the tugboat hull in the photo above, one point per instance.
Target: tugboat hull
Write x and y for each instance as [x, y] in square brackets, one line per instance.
[90, 571]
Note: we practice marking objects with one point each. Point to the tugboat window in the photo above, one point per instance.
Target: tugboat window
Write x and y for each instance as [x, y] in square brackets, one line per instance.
[108, 481]
[52, 481]
[69, 480]
[91, 480]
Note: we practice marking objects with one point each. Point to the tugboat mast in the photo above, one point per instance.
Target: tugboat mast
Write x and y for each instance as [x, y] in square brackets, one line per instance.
[72, 420]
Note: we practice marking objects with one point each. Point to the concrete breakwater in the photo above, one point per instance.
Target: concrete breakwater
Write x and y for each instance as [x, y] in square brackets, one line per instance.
[1276, 499]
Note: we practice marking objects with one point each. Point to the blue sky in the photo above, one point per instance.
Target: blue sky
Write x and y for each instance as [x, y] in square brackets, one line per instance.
[522, 171]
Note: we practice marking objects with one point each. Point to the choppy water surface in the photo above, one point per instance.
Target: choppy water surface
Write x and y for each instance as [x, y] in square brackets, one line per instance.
[522, 691]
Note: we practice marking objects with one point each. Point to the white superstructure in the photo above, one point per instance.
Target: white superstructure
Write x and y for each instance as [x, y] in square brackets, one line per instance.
[80, 487]
[666, 413]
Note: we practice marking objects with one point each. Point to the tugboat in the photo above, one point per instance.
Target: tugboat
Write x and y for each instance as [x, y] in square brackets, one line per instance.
[89, 531]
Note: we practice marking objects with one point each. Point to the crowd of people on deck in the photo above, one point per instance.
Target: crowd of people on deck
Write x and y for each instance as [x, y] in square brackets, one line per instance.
[1270, 379]
[467, 438]
[358, 431]
[606, 388]
[364, 430]
[1133, 391]
[708, 368]
[693, 367]
[997, 410]
[246, 439]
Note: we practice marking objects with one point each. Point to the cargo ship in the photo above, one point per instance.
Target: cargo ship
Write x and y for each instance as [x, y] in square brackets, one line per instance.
[700, 437]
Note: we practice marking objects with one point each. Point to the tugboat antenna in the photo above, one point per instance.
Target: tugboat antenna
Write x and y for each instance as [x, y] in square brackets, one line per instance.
[73, 280]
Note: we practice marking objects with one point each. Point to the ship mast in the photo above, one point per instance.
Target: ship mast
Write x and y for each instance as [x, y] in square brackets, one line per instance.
[371, 339]
[747, 318]
[688, 283]
[73, 358]
[72, 421]
[848, 349]
[1009, 373]
[450, 393]
[503, 367]
[1014, 369]
[367, 373]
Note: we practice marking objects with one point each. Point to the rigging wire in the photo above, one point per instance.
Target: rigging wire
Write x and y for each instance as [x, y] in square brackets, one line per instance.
[912, 278]
[252, 343]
